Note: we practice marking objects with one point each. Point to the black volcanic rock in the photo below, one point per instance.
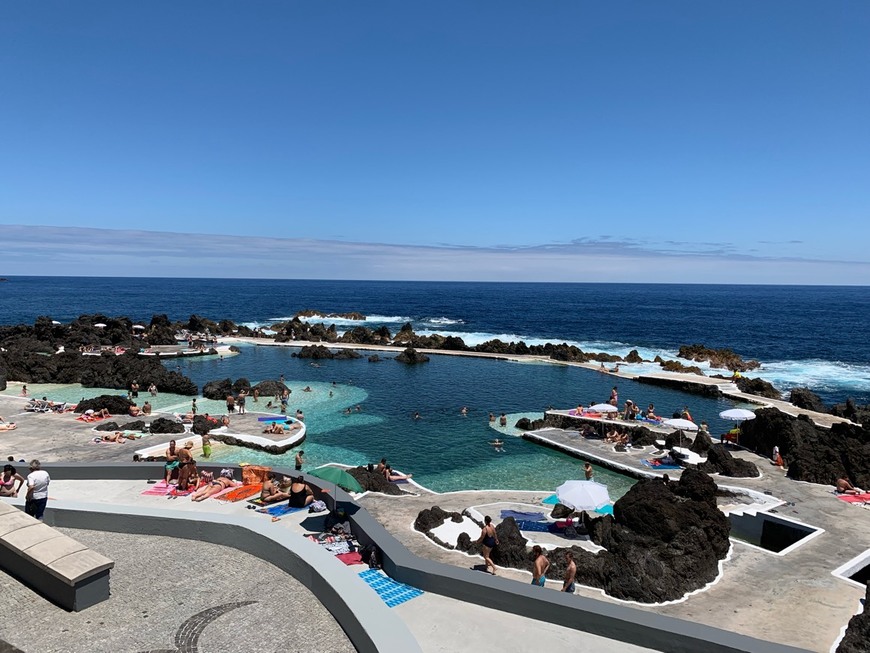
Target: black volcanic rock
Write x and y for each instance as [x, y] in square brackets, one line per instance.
[633, 357]
[269, 388]
[218, 389]
[811, 453]
[411, 357]
[721, 358]
[115, 404]
[433, 517]
[720, 461]
[702, 443]
[678, 439]
[202, 424]
[758, 387]
[373, 482]
[136, 425]
[347, 354]
[317, 352]
[107, 426]
[857, 637]
[851, 411]
[164, 425]
[806, 399]
[374, 358]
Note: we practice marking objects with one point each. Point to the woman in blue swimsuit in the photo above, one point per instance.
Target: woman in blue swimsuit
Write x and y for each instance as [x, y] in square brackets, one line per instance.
[489, 540]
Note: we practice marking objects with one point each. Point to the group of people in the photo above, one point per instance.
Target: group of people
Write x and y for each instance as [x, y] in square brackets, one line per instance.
[540, 563]
[37, 482]
[136, 411]
[295, 491]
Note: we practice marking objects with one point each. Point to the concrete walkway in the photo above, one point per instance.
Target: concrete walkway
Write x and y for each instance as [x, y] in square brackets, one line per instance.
[439, 623]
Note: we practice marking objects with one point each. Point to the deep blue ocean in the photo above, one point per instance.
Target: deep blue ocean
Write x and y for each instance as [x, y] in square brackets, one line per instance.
[803, 336]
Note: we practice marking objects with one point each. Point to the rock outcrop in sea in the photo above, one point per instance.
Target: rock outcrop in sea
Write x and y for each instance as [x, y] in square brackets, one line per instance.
[411, 357]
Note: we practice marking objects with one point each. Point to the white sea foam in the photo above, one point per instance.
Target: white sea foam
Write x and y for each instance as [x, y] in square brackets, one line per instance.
[832, 377]
[370, 319]
[441, 321]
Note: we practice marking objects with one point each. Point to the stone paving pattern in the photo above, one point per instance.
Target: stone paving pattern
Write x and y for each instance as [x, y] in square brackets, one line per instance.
[174, 595]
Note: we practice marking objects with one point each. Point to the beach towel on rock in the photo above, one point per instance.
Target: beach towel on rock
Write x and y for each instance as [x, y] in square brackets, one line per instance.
[535, 526]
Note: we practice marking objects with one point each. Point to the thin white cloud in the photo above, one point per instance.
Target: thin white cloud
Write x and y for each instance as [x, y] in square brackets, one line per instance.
[39, 250]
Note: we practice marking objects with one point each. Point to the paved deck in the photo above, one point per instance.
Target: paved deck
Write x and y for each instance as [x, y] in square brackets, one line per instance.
[792, 598]
[439, 623]
[268, 610]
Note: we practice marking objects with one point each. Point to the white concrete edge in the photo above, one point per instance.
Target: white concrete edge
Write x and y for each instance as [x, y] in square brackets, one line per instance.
[297, 437]
[843, 571]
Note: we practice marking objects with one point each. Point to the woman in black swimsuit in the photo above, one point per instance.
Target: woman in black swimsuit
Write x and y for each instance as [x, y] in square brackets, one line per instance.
[300, 493]
[489, 539]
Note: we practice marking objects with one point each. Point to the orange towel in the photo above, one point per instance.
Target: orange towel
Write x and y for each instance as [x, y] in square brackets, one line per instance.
[241, 493]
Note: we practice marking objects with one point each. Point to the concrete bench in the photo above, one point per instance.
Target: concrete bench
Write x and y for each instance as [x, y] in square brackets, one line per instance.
[61, 569]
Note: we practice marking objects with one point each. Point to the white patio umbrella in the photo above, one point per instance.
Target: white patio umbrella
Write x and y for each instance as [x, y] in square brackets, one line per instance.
[100, 325]
[583, 495]
[603, 408]
[55, 322]
[681, 425]
[737, 414]
[138, 326]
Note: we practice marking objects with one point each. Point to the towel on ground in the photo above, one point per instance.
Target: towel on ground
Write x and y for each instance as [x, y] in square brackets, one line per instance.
[854, 498]
[656, 464]
[158, 489]
[242, 492]
[527, 516]
[277, 511]
[536, 526]
[349, 559]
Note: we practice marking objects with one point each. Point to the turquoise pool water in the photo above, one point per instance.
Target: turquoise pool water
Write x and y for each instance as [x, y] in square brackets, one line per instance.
[444, 450]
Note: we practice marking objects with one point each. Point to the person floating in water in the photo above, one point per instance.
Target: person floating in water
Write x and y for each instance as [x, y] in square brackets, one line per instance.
[498, 445]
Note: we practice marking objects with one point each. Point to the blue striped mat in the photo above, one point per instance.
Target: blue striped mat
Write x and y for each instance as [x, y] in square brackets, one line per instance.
[390, 591]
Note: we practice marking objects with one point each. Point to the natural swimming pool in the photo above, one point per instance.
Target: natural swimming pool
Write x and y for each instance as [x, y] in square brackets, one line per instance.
[443, 449]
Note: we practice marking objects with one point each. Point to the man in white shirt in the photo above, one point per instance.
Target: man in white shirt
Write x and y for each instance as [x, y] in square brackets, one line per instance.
[37, 490]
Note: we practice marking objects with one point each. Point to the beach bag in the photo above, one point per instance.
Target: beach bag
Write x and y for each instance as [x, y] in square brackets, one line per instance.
[369, 556]
[253, 474]
[317, 506]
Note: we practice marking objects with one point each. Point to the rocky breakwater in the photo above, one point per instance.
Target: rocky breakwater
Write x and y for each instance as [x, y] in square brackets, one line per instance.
[663, 541]
[718, 358]
[811, 453]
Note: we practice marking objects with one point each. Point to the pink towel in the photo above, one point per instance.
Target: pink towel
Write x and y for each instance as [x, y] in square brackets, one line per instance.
[158, 489]
[855, 498]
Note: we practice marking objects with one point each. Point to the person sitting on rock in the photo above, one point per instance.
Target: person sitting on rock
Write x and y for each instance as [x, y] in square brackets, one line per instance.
[845, 487]
[134, 410]
[392, 476]
[146, 408]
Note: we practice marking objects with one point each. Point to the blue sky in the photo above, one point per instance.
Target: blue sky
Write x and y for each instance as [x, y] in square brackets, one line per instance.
[564, 141]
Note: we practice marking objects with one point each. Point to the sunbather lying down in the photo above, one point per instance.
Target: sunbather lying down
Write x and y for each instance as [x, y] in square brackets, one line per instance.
[8, 427]
[117, 436]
